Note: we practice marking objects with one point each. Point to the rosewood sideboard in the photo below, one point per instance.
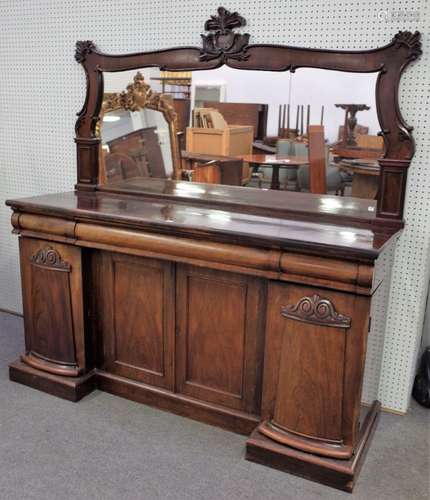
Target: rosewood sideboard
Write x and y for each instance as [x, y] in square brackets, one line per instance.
[244, 308]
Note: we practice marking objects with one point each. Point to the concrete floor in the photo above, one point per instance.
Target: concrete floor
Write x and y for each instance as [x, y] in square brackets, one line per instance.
[105, 447]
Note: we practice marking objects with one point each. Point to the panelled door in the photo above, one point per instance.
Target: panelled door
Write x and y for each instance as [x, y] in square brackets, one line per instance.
[218, 336]
[135, 316]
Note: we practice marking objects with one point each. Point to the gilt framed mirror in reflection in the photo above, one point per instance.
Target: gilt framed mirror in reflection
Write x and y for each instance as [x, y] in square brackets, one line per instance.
[309, 121]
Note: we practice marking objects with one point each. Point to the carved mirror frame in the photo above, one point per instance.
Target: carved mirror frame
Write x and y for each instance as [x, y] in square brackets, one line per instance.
[137, 96]
[224, 46]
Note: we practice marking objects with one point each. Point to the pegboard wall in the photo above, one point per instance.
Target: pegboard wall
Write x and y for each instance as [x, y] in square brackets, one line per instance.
[42, 88]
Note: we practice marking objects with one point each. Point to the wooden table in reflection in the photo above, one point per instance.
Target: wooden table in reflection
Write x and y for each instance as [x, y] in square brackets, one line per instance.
[365, 176]
[276, 162]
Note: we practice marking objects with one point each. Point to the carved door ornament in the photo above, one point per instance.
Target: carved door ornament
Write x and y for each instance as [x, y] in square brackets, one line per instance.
[49, 258]
[317, 311]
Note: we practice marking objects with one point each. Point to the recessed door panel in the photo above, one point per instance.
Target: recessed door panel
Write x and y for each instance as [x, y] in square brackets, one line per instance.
[137, 324]
[53, 306]
[218, 326]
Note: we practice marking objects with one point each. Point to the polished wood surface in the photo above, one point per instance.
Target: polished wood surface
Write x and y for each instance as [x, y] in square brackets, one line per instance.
[292, 205]
[218, 334]
[55, 337]
[135, 297]
[313, 352]
[317, 160]
[339, 474]
[178, 219]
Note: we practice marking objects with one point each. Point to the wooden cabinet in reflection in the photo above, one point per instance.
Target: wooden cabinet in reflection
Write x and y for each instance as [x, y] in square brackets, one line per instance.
[137, 154]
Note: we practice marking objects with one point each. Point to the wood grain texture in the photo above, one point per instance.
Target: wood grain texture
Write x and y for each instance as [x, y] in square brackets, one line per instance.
[179, 218]
[339, 474]
[218, 332]
[314, 369]
[317, 160]
[134, 298]
[53, 307]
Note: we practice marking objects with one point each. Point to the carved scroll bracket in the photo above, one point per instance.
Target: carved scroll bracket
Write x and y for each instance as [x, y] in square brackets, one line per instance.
[317, 311]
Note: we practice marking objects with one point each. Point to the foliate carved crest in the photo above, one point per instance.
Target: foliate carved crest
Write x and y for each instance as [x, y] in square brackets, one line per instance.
[83, 49]
[50, 258]
[139, 95]
[410, 40]
[223, 43]
[316, 310]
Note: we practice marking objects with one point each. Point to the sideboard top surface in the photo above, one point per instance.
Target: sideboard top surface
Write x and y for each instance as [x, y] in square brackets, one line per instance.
[198, 221]
[321, 208]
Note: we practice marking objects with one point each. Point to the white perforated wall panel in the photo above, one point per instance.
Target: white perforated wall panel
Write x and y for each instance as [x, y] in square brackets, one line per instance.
[42, 88]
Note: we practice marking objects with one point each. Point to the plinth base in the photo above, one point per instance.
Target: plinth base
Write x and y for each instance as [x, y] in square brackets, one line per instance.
[340, 474]
[72, 389]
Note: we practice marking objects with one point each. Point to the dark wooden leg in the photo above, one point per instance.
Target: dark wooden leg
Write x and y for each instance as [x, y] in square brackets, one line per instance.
[275, 177]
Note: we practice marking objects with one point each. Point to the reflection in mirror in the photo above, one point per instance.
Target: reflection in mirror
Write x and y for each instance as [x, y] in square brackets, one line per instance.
[138, 133]
[310, 131]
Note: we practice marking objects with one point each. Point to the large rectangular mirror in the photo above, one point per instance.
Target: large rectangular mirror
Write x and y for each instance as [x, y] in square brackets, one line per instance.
[311, 131]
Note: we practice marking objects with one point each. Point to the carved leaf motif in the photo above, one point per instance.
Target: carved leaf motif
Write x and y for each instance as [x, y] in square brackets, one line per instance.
[224, 21]
[223, 43]
[83, 48]
[49, 257]
[138, 96]
[316, 310]
[410, 40]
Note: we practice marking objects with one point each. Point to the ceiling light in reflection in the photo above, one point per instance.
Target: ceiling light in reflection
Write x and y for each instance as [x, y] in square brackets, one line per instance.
[331, 203]
[370, 209]
[111, 118]
[188, 187]
[348, 235]
[220, 216]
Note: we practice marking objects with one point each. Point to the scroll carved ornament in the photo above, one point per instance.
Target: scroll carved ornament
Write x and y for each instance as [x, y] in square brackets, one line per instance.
[49, 257]
[317, 311]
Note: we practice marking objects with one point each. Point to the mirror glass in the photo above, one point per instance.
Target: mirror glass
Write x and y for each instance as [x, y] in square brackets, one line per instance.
[312, 131]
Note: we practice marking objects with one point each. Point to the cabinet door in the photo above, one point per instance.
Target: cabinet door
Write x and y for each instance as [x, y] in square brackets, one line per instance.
[53, 306]
[135, 314]
[314, 359]
[219, 335]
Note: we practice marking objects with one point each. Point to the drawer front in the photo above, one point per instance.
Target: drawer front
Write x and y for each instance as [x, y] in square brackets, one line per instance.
[219, 329]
